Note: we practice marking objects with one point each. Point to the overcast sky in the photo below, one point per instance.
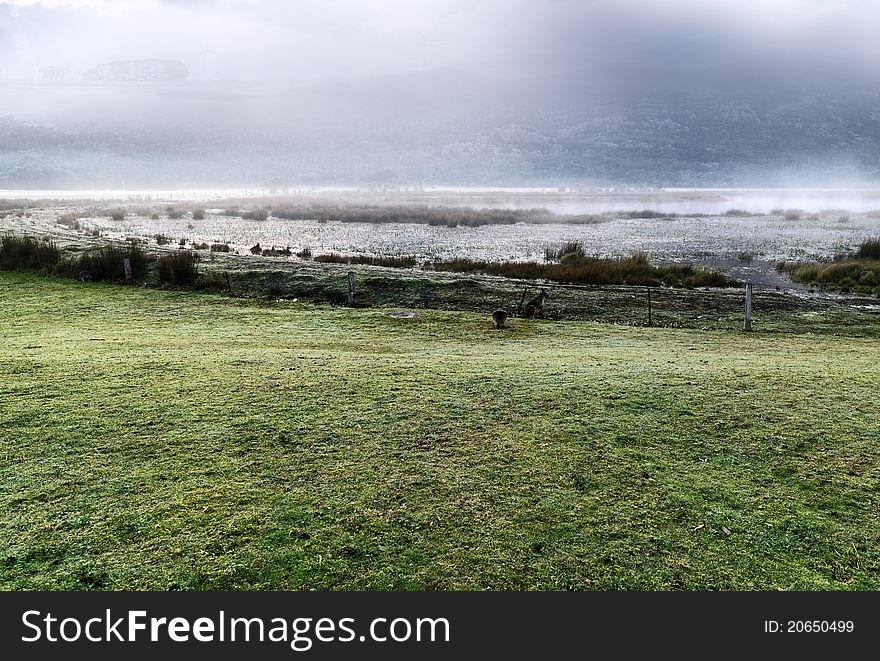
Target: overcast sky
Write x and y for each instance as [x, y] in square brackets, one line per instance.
[308, 40]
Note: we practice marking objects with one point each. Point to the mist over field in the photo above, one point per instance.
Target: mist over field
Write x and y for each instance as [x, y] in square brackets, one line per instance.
[161, 94]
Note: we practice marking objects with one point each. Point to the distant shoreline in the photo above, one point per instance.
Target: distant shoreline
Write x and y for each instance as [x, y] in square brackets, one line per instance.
[563, 199]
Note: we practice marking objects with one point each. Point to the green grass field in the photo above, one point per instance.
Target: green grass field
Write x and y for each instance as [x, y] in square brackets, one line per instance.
[169, 440]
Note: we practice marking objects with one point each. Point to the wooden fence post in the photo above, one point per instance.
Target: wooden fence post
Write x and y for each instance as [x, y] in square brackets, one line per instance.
[522, 298]
[126, 266]
[351, 287]
[747, 323]
[650, 323]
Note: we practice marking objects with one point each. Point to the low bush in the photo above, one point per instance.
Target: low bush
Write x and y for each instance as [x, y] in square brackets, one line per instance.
[277, 252]
[106, 263]
[429, 215]
[179, 268]
[633, 270]
[575, 248]
[256, 214]
[28, 253]
[869, 249]
[69, 220]
[842, 274]
[372, 260]
[648, 214]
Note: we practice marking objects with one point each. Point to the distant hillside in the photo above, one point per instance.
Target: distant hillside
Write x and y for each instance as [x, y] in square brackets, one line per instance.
[438, 128]
[139, 70]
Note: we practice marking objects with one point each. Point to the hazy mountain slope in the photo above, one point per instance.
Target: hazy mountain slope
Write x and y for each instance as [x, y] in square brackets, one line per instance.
[441, 127]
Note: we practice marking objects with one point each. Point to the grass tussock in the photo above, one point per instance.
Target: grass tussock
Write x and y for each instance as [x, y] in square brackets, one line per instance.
[180, 268]
[740, 213]
[256, 214]
[573, 268]
[574, 248]
[276, 252]
[27, 253]
[869, 249]
[70, 221]
[429, 215]
[106, 264]
[371, 260]
[858, 273]
[647, 214]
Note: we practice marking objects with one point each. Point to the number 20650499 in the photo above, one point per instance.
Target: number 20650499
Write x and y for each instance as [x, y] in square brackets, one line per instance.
[809, 626]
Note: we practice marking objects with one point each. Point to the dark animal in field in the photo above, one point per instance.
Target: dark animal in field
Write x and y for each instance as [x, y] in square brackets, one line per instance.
[85, 276]
[535, 307]
[499, 317]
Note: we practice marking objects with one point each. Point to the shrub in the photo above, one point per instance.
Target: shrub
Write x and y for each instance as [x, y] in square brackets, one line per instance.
[198, 214]
[28, 253]
[305, 253]
[173, 212]
[277, 252]
[162, 240]
[106, 263]
[332, 258]
[843, 274]
[634, 270]
[178, 268]
[200, 246]
[436, 216]
[647, 214]
[869, 249]
[869, 279]
[69, 220]
[379, 260]
[219, 247]
[256, 250]
[256, 214]
[571, 249]
[116, 214]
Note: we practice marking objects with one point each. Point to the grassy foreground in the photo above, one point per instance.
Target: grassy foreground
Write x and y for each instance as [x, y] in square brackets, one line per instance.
[168, 440]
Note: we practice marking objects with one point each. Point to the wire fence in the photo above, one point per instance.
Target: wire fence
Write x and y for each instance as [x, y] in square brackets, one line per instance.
[708, 308]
